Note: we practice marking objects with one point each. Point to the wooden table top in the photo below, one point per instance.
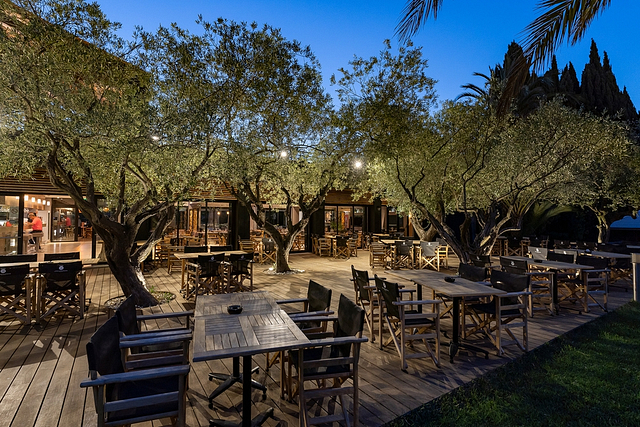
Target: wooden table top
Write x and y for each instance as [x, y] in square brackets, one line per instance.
[393, 242]
[86, 262]
[261, 327]
[613, 255]
[434, 280]
[193, 255]
[553, 265]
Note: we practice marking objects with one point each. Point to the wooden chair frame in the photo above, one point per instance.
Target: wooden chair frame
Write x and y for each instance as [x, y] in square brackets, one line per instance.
[409, 325]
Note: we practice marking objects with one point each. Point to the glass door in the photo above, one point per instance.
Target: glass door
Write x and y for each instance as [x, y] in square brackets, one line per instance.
[9, 212]
[63, 223]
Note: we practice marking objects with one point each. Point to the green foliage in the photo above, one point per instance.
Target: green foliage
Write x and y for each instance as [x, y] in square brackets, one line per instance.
[465, 159]
[587, 378]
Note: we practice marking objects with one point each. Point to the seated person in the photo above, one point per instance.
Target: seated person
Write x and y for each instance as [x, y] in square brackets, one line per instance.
[34, 224]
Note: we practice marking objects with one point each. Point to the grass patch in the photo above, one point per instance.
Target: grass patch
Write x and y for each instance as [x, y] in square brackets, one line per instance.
[588, 377]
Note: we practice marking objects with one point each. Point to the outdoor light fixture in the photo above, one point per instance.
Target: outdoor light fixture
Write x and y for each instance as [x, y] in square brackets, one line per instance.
[283, 154]
[155, 138]
[358, 164]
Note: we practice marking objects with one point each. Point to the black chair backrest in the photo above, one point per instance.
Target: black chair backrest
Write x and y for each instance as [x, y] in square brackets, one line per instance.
[510, 282]
[127, 317]
[12, 278]
[514, 266]
[210, 264]
[390, 293]
[472, 272]
[428, 248]
[103, 349]
[403, 247]
[538, 253]
[350, 323]
[60, 275]
[194, 249]
[224, 248]
[5, 259]
[268, 245]
[62, 256]
[480, 260]
[560, 257]
[361, 278]
[561, 244]
[341, 241]
[595, 262]
[240, 262]
[319, 296]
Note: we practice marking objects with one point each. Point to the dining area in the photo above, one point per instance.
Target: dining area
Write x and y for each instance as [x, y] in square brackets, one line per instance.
[385, 389]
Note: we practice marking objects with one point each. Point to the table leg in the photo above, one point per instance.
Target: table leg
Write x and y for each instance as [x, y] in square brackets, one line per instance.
[554, 293]
[455, 343]
[184, 266]
[247, 385]
[455, 340]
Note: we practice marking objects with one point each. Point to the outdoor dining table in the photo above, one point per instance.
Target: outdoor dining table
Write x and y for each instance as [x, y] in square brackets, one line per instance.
[261, 327]
[456, 290]
[33, 265]
[554, 267]
[611, 255]
[185, 257]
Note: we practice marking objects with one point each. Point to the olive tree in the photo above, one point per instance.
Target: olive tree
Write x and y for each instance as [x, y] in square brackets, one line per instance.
[463, 158]
[282, 147]
[76, 99]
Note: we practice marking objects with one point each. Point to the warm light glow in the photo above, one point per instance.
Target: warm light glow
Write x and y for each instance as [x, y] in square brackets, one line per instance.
[39, 201]
[26, 197]
[218, 212]
[283, 154]
[155, 138]
[33, 199]
[17, 197]
[358, 164]
[48, 203]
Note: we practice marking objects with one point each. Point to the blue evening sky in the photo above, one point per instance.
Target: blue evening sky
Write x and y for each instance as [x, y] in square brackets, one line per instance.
[469, 35]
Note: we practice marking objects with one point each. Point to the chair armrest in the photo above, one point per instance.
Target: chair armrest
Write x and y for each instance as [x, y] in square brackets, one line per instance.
[315, 319]
[308, 314]
[420, 302]
[336, 341]
[539, 273]
[292, 301]
[514, 294]
[145, 374]
[154, 341]
[143, 317]
[158, 334]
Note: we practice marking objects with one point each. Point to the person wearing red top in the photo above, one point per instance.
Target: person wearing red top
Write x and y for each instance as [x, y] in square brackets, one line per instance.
[35, 223]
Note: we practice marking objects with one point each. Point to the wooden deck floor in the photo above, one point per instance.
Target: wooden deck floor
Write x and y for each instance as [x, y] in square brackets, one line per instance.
[41, 367]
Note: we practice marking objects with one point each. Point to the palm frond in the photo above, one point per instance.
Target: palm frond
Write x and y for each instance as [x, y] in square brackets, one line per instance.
[414, 14]
[559, 20]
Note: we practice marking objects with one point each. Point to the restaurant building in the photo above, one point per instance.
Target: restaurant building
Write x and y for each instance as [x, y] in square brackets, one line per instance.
[223, 217]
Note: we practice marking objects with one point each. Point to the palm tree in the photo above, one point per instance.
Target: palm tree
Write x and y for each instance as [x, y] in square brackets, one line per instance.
[559, 20]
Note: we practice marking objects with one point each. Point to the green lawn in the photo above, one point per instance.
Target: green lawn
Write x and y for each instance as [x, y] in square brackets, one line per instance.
[589, 377]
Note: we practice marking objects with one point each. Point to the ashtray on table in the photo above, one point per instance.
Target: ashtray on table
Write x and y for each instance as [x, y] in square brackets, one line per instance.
[449, 279]
[234, 309]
